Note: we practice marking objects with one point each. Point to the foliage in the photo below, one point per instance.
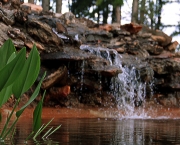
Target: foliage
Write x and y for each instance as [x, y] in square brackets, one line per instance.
[81, 8]
[100, 7]
[112, 2]
[17, 75]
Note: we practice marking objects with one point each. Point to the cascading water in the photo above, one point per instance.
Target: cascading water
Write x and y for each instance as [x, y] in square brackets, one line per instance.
[127, 87]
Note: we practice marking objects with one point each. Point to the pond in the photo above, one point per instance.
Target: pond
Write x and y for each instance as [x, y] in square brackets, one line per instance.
[81, 127]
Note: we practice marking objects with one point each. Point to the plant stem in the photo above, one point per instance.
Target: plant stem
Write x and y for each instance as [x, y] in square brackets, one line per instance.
[9, 117]
[10, 129]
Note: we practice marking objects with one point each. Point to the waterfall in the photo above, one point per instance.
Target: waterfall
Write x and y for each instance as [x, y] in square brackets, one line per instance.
[127, 86]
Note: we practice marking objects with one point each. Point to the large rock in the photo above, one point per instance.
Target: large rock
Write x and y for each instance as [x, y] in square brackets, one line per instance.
[88, 63]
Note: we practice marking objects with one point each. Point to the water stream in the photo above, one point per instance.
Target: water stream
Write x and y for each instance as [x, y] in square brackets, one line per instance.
[125, 125]
[127, 87]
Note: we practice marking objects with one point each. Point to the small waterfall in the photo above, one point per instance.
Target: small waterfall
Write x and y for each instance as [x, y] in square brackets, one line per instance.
[127, 87]
[76, 71]
[81, 78]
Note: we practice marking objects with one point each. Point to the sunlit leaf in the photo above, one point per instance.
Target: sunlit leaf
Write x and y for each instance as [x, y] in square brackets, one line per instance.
[28, 74]
[13, 55]
[12, 70]
[5, 52]
[34, 95]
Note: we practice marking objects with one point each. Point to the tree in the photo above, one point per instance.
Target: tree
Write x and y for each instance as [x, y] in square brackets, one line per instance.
[103, 6]
[135, 7]
[100, 9]
[31, 1]
[117, 6]
[45, 5]
[58, 6]
[148, 12]
[116, 12]
[142, 11]
[81, 8]
[159, 5]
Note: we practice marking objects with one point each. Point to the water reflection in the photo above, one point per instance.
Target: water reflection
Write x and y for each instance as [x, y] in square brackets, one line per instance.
[117, 132]
[101, 131]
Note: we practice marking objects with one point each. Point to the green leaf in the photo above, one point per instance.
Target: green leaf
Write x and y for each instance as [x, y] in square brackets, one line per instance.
[99, 2]
[12, 70]
[37, 114]
[5, 52]
[34, 95]
[117, 2]
[5, 95]
[28, 74]
[13, 55]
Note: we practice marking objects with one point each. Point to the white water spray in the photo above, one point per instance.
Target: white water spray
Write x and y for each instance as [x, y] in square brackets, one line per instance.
[127, 87]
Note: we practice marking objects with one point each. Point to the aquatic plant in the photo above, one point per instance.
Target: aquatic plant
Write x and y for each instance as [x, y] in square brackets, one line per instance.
[17, 75]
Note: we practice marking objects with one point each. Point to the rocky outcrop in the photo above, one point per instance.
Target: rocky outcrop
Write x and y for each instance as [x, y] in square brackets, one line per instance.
[91, 64]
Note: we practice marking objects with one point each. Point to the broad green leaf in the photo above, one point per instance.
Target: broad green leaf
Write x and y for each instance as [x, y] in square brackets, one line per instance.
[34, 95]
[5, 94]
[13, 55]
[28, 74]
[12, 70]
[5, 52]
[37, 115]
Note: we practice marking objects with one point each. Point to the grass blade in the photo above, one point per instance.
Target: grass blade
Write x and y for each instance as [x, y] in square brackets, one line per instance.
[29, 136]
[47, 132]
[38, 132]
[42, 128]
[53, 131]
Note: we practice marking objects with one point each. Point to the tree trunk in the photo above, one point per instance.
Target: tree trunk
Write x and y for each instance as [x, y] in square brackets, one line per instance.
[118, 14]
[98, 18]
[159, 9]
[105, 14]
[31, 1]
[58, 6]
[45, 5]
[151, 13]
[142, 11]
[135, 6]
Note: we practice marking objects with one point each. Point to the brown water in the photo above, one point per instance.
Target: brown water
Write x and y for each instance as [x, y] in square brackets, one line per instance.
[90, 127]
